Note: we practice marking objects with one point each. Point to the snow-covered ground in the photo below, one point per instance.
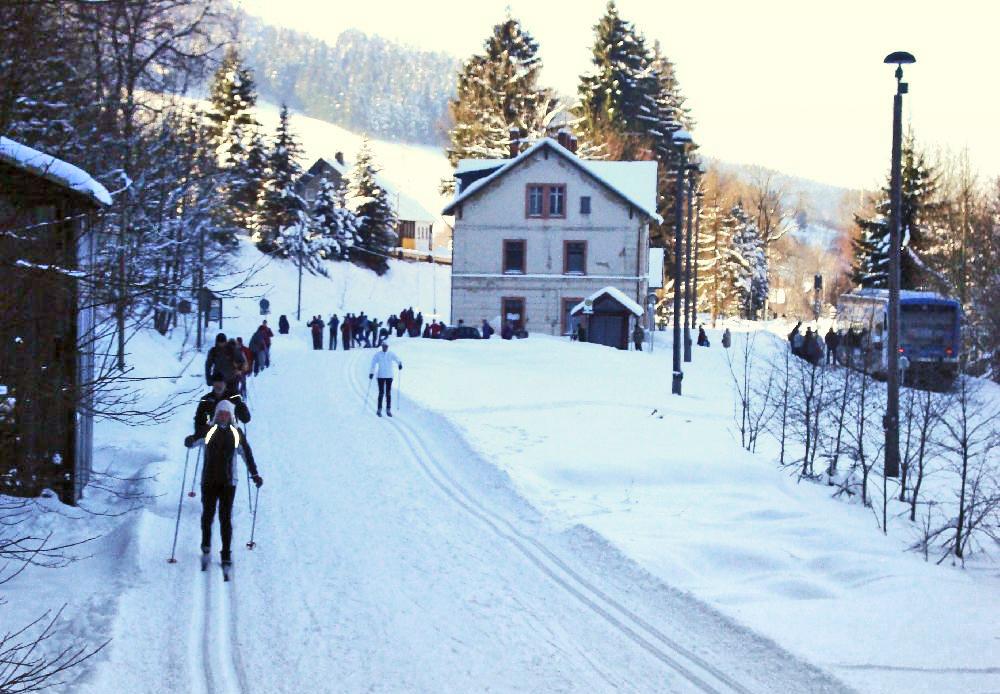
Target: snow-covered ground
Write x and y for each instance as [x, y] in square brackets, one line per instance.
[540, 516]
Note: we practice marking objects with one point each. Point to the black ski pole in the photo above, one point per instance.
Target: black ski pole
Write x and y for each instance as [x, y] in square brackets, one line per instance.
[180, 502]
[197, 462]
[249, 503]
[364, 405]
[253, 526]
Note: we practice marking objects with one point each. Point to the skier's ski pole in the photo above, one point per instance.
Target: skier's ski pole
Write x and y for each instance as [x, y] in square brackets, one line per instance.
[364, 406]
[197, 462]
[399, 389]
[180, 502]
[253, 526]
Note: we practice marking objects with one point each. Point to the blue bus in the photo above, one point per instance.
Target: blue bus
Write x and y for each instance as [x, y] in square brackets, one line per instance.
[930, 336]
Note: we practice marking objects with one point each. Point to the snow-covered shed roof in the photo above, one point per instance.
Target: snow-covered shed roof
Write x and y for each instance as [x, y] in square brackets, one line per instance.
[56, 170]
[616, 294]
[634, 181]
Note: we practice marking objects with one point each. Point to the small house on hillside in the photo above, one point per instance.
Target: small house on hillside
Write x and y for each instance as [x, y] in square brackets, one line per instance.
[47, 243]
[415, 226]
[539, 232]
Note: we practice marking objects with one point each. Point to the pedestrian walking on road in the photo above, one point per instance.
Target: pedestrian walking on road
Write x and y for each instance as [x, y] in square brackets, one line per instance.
[382, 363]
[222, 442]
[727, 339]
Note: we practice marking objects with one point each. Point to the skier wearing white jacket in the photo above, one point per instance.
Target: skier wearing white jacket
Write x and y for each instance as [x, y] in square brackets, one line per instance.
[382, 364]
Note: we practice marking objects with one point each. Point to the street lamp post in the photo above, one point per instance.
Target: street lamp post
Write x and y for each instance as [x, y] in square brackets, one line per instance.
[688, 318]
[891, 420]
[681, 139]
[699, 194]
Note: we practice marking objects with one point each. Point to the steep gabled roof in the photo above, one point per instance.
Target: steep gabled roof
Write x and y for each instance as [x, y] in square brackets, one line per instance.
[633, 181]
[56, 170]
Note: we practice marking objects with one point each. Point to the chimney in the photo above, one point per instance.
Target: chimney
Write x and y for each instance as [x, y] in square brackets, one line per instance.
[572, 144]
[339, 156]
[562, 137]
[515, 141]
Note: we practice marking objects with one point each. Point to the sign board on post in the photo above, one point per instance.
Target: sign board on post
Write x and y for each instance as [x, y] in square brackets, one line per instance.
[655, 270]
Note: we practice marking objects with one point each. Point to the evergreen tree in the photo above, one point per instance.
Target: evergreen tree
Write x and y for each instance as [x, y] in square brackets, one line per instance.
[376, 235]
[747, 263]
[498, 90]
[618, 99]
[919, 215]
[333, 222]
[283, 215]
[714, 248]
[235, 136]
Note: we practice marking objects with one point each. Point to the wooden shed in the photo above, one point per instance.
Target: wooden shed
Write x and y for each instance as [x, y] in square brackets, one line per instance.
[605, 315]
[47, 318]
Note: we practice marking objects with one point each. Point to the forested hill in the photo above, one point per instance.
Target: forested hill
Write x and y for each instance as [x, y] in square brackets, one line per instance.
[363, 83]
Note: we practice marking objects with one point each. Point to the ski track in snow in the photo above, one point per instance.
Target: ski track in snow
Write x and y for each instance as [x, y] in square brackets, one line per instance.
[694, 669]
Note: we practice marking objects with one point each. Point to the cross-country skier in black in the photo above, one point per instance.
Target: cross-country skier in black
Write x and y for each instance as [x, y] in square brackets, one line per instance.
[382, 364]
[206, 406]
[222, 442]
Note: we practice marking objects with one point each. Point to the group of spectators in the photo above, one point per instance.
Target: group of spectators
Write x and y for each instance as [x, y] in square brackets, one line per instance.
[813, 349]
[233, 361]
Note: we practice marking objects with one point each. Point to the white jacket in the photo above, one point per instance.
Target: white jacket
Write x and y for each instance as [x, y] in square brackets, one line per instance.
[382, 364]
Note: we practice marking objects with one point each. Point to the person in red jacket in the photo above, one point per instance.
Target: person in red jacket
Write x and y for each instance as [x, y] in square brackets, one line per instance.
[267, 334]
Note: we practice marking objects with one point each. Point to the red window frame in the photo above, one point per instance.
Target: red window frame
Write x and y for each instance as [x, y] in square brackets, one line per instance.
[546, 189]
[567, 304]
[524, 257]
[566, 270]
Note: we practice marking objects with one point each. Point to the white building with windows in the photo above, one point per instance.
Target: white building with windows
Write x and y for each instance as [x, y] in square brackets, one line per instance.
[536, 234]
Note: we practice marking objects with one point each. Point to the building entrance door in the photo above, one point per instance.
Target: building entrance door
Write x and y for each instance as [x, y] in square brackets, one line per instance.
[512, 310]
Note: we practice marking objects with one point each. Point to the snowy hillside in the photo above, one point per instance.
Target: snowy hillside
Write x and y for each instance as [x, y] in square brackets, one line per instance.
[416, 170]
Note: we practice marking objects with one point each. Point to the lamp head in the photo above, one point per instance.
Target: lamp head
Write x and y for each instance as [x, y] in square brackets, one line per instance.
[899, 58]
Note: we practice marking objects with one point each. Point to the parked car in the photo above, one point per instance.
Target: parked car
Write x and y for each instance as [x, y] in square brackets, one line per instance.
[461, 332]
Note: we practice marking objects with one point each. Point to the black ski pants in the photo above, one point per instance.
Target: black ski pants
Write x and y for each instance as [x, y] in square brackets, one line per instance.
[223, 496]
[333, 340]
[385, 389]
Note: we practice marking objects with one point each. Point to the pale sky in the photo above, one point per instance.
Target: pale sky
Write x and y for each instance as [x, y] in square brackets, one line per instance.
[796, 85]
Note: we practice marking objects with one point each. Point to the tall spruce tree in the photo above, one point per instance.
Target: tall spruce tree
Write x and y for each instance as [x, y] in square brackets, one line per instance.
[747, 266]
[235, 136]
[618, 99]
[282, 212]
[714, 248]
[498, 90]
[919, 215]
[376, 232]
[333, 222]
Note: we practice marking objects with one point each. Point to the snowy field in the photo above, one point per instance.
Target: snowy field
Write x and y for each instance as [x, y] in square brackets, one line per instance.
[540, 516]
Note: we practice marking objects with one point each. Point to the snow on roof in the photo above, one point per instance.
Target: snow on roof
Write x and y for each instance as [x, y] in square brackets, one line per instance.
[55, 170]
[616, 294]
[904, 294]
[467, 165]
[634, 181]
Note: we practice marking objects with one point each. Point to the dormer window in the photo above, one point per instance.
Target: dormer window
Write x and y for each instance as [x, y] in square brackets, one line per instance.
[545, 200]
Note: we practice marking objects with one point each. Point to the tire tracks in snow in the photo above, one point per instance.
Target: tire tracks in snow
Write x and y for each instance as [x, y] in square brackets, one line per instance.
[693, 668]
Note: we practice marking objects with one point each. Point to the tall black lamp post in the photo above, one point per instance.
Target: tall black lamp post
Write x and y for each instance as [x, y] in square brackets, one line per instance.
[891, 420]
[688, 320]
[681, 139]
[699, 194]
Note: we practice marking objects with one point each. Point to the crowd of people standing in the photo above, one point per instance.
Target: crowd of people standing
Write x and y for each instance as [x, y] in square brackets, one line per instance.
[363, 331]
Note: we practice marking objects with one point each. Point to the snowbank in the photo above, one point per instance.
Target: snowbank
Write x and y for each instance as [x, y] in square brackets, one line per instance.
[592, 437]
